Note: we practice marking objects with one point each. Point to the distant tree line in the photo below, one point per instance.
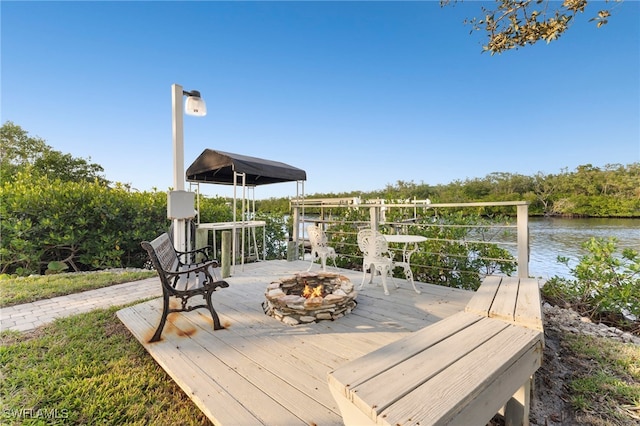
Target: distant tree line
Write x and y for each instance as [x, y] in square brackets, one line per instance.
[589, 191]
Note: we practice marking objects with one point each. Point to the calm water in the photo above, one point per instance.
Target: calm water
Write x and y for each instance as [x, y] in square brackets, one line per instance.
[551, 237]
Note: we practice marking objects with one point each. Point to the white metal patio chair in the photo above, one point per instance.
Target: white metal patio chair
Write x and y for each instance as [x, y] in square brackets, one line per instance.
[376, 257]
[319, 247]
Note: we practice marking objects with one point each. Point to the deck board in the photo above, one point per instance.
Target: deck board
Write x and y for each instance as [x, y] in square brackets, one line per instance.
[261, 371]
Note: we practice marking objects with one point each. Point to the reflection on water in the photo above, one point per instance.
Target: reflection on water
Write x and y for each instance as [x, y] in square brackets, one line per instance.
[553, 237]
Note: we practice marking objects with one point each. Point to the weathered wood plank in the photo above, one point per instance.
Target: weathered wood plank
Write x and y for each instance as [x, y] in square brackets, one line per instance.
[483, 298]
[328, 336]
[253, 385]
[528, 307]
[431, 402]
[187, 374]
[277, 374]
[394, 383]
[504, 304]
[351, 375]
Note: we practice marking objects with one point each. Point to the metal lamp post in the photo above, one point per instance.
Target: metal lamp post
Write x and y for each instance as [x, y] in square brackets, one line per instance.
[180, 202]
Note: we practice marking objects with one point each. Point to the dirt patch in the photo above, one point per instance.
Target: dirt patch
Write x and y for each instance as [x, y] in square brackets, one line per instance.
[550, 404]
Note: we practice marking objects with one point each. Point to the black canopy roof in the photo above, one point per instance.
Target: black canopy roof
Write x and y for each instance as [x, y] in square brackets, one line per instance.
[214, 166]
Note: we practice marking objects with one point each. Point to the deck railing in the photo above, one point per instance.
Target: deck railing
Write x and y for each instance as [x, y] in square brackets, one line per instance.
[417, 216]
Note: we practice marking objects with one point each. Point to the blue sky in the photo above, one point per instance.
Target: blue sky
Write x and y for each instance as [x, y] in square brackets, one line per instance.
[358, 94]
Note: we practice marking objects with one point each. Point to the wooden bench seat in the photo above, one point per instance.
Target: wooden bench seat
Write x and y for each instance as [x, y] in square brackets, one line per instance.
[511, 299]
[183, 280]
[460, 370]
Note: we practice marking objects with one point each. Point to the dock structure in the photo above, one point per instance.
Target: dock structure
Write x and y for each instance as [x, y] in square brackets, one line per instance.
[261, 371]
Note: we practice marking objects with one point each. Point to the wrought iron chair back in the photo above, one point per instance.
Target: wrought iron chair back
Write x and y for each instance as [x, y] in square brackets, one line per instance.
[319, 247]
[376, 256]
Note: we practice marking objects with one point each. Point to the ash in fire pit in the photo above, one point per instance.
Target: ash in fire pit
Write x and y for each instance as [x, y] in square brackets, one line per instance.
[310, 297]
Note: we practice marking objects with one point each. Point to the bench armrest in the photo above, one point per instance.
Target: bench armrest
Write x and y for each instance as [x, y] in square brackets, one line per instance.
[194, 268]
[205, 251]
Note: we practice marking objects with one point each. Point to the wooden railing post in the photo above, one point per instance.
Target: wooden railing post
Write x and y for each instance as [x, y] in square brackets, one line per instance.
[373, 217]
[225, 254]
[523, 240]
[297, 236]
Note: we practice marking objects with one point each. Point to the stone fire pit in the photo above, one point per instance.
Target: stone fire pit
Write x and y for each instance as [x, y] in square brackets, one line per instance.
[310, 297]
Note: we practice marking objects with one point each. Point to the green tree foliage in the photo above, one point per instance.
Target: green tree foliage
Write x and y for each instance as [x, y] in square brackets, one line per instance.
[85, 225]
[56, 211]
[275, 234]
[23, 153]
[589, 191]
[215, 209]
[274, 206]
[459, 250]
[511, 24]
[606, 285]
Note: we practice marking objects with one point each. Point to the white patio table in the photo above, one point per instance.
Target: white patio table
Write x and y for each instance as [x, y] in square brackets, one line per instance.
[406, 252]
[406, 240]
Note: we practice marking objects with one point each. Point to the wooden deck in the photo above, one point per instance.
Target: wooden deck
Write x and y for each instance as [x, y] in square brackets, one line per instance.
[259, 371]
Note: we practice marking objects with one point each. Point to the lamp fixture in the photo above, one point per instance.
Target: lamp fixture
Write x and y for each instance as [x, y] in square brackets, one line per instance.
[194, 105]
[178, 198]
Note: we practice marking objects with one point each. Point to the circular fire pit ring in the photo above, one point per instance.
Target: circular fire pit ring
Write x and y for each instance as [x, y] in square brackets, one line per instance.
[308, 297]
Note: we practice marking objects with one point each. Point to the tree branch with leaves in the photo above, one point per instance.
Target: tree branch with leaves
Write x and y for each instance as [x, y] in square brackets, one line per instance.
[511, 24]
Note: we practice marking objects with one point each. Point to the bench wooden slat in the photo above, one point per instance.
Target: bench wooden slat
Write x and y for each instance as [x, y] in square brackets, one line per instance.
[504, 304]
[482, 299]
[362, 369]
[165, 252]
[510, 299]
[385, 388]
[464, 381]
[529, 305]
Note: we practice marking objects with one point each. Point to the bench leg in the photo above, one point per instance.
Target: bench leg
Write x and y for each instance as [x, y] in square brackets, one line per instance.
[351, 416]
[214, 314]
[516, 411]
[163, 319]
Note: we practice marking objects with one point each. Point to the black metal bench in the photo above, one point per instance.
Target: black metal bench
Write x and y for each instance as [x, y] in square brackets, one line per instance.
[183, 280]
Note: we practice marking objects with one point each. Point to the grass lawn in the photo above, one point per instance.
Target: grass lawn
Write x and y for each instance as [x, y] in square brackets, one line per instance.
[606, 380]
[87, 369]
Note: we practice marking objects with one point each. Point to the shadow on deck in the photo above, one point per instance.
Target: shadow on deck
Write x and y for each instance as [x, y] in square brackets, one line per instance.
[261, 371]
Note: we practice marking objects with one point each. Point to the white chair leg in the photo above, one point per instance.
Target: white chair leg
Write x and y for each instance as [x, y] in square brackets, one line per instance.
[323, 261]
[384, 272]
[393, 280]
[364, 276]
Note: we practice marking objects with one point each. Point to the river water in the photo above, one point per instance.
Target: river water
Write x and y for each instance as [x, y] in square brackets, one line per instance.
[553, 237]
